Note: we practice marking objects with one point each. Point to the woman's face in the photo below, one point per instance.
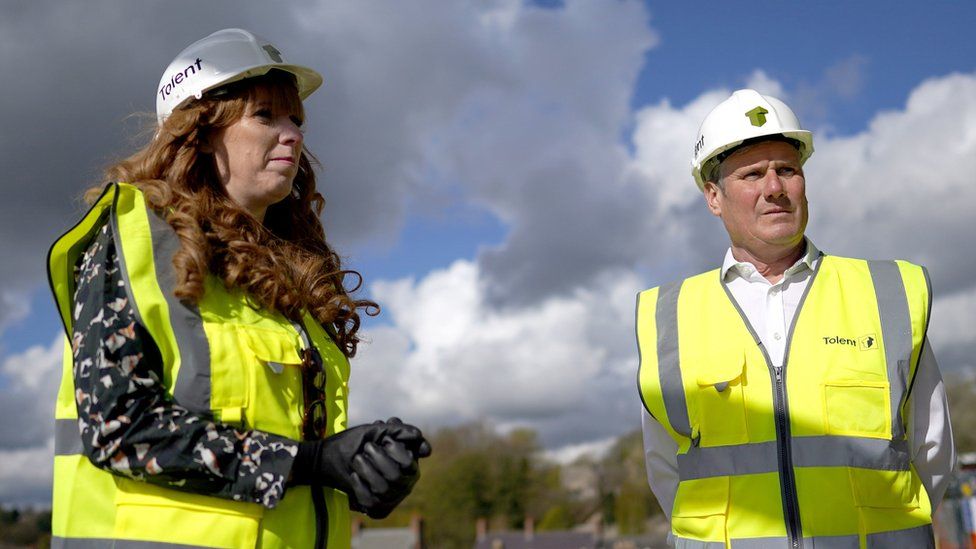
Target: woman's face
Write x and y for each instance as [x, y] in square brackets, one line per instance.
[257, 156]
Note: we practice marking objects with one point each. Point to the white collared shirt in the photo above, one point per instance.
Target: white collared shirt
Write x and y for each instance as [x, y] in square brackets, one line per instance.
[771, 309]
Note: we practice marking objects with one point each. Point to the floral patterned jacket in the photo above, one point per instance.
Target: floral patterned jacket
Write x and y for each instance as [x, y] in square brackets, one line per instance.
[131, 427]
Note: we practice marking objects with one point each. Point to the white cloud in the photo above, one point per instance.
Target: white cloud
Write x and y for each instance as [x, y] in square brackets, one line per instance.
[902, 188]
[463, 360]
[36, 369]
[497, 103]
[28, 389]
[763, 83]
[846, 78]
[593, 450]
[492, 102]
[14, 307]
[952, 318]
[25, 478]
[518, 110]
[564, 363]
[951, 330]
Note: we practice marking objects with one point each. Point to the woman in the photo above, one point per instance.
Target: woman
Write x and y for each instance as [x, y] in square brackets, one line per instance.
[203, 401]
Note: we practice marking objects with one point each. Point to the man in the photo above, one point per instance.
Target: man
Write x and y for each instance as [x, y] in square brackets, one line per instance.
[790, 397]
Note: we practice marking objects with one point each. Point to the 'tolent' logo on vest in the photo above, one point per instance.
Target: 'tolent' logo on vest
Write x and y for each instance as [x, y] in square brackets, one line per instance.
[864, 343]
[837, 340]
[867, 342]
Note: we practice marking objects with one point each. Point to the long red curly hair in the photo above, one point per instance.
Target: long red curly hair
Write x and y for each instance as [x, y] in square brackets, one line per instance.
[284, 264]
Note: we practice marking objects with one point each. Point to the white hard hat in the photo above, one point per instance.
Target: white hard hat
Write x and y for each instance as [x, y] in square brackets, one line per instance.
[747, 114]
[225, 56]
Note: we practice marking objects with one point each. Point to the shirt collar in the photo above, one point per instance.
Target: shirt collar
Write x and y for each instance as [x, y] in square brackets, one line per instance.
[807, 260]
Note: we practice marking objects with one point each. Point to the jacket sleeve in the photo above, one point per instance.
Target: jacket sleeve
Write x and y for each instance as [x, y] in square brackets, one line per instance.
[929, 429]
[131, 427]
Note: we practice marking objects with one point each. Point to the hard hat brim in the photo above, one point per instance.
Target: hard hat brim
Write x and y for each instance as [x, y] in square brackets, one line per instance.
[804, 137]
[308, 80]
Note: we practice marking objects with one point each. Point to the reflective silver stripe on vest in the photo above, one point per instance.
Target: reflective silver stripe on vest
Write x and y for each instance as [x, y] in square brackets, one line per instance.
[683, 543]
[920, 537]
[815, 451]
[102, 543]
[668, 363]
[819, 542]
[192, 388]
[830, 542]
[720, 461]
[67, 438]
[896, 333]
[839, 451]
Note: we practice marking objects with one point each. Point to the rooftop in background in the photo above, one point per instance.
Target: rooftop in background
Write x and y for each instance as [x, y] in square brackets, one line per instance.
[411, 537]
[540, 540]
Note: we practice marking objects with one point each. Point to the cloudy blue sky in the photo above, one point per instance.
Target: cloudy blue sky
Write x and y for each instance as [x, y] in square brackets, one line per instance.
[506, 175]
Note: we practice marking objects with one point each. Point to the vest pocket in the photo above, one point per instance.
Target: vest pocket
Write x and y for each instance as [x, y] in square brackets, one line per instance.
[275, 381]
[229, 393]
[721, 403]
[153, 513]
[857, 408]
[701, 508]
[884, 489]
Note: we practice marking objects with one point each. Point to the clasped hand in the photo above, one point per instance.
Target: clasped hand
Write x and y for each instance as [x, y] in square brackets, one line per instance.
[376, 465]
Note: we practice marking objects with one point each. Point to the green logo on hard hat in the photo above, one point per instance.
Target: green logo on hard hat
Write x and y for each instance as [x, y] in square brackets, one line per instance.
[757, 116]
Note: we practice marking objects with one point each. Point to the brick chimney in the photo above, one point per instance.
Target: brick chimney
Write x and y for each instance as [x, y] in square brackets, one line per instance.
[481, 529]
[529, 527]
[417, 528]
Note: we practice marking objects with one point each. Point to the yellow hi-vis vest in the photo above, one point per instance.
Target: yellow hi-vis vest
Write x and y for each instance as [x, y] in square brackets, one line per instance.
[813, 454]
[221, 356]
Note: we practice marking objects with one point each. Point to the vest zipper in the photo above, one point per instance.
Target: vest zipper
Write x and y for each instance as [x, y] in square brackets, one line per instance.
[318, 497]
[322, 518]
[787, 478]
[783, 447]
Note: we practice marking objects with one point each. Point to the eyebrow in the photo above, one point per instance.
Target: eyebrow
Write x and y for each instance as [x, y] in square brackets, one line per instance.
[770, 162]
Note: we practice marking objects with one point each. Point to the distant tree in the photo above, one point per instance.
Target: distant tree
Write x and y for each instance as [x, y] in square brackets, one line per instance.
[557, 517]
[476, 472]
[626, 499]
[961, 392]
[25, 528]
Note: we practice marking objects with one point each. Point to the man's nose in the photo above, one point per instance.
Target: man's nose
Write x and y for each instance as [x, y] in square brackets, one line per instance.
[773, 185]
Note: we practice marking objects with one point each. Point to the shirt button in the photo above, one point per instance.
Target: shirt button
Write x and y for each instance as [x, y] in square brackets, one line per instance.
[777, 336]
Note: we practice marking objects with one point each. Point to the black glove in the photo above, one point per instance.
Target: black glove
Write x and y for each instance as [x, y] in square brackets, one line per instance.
[404, 447]
[411, 437]
[375, 464]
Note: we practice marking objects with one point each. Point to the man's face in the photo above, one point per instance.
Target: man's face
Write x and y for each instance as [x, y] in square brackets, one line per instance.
[762, 201]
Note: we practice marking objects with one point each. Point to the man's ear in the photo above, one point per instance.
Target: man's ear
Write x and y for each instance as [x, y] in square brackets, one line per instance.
[713, 198]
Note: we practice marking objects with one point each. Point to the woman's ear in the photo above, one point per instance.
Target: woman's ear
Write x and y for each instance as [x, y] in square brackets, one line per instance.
[205, 146]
